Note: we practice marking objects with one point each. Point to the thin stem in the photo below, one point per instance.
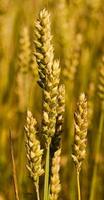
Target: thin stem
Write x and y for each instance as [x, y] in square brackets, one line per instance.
[46, 183]
[37, 191]
[98, 142]
[69, 100]
[14, 168]
[78, 186]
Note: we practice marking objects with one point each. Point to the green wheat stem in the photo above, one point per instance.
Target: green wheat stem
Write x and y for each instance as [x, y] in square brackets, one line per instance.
[98, 142]
[46, 189]
[78, 185]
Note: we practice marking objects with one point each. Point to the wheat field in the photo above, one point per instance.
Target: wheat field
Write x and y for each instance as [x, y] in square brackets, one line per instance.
[51, 100]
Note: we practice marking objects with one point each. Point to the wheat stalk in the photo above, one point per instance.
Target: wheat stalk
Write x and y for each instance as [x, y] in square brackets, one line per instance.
[81, 123]
[34, 151]
[49, 72]
[100, 129]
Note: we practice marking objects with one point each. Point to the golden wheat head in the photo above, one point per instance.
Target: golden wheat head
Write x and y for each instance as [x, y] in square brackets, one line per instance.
[80, 121]
[34, 152]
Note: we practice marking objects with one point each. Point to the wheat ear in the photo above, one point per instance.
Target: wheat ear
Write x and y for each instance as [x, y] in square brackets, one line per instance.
[81, 124]
[43, 46]
[100, 129]
[101, 82]
[24, 51]
[49, 72]
[34, 151]
[55, 186]
[23, 63]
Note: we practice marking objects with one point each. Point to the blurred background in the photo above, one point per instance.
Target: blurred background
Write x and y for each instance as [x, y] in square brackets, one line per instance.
[78, 38]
